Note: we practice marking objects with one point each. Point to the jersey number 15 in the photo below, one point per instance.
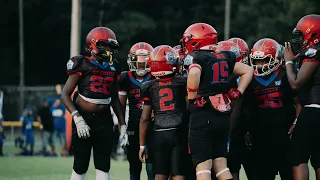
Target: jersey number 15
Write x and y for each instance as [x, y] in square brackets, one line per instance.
[220, 72]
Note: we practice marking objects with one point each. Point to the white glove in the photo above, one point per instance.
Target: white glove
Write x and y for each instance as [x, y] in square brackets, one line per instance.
[123, 136]
[82, 127]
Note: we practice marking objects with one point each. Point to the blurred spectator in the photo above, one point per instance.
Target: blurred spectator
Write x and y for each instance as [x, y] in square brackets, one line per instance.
[27, 120]
[45, 119]
[59, 122]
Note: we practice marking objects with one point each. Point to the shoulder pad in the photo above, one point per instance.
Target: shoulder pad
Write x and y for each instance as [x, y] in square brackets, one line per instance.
[147, 84]
[74, 61]
[124, 75]
[123, 81]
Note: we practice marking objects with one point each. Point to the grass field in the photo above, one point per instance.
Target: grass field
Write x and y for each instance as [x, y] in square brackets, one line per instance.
[59, 168]
[49, 168]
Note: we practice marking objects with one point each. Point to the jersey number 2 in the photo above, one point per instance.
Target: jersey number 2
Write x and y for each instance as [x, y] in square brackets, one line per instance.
[100, 84]
[272, 100]
[220, 72]
[166, 95]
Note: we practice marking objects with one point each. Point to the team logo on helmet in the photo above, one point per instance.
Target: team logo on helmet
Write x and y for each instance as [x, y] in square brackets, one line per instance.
[235, 51]
[170, 58]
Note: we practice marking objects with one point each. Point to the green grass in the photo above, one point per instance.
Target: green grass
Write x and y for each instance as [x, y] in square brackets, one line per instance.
[50, 168]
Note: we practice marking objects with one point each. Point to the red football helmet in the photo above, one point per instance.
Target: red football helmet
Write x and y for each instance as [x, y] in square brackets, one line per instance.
[178, 49]
[197, 36]
[306, 33]
[102, 43]
[162, 60]
[266, 56]
[243, 48]
[138, 57]
[229, 46]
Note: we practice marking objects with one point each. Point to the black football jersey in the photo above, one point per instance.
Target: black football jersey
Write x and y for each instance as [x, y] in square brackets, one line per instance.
[131, 86]
[216, 70]
[271, 97]
[167, 97]
[98, 81]
[310, 92]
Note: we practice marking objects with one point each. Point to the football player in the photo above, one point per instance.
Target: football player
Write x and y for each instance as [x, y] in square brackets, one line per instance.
[190, 170]
[208, 88]
[272, 111]
[130, 83]
[243, 48]
[166, 95]
[238, 153]
[305, 46]
[96, 78]
[182, 71]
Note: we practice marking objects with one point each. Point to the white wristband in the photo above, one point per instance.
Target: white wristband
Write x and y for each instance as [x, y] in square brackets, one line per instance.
[289, 62]
[143, 147]
[295, 121]
[74, 113]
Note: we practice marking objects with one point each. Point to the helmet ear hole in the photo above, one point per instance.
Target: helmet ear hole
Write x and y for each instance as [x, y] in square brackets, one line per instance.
[313, 35]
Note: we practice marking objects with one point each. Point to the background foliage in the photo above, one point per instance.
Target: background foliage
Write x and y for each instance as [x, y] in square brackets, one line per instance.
[47, 28]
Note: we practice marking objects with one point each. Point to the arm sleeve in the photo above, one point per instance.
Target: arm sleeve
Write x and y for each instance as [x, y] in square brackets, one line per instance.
[123, 83]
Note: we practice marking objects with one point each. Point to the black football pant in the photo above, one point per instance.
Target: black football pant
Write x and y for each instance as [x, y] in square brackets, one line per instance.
[305, 138]
[101, 142]
[270, 152]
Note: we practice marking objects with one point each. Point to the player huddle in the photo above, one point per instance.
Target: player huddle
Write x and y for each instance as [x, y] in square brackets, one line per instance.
[202, 109]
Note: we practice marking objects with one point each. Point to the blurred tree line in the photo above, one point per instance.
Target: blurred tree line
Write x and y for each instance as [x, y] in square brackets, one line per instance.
[47, 28]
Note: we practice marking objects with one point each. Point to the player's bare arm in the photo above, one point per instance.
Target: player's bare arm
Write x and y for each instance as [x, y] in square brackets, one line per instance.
[246, 73]
[298, 106]
[67, 92]
[305, 73]
[117, 108]
[144, 124]
[193, 80]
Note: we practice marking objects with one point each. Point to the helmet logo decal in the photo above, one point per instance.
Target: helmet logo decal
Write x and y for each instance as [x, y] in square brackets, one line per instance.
[235, 50]
[170, 58]
[258, 54]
